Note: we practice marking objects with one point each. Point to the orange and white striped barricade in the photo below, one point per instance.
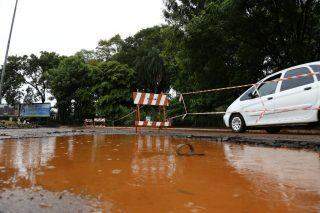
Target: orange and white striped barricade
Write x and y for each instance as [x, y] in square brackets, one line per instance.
[88, 122]
[151, 99]
[155, 124]
[101, 122]
[95, 122]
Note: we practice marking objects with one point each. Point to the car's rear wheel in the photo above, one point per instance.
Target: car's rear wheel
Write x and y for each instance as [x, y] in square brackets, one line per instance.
[273, 130]
[237, 123]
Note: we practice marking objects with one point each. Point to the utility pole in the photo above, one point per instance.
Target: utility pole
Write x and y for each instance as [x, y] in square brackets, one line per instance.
[7, 51]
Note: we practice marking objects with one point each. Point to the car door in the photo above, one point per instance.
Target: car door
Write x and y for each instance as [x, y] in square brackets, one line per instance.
[295, 95]
[256, 108]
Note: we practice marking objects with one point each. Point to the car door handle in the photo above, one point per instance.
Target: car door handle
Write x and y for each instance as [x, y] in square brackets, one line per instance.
[270, 98]
[308, 88]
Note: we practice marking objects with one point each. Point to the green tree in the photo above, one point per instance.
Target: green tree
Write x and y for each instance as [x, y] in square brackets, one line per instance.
[89, 56]
[35, 72]
[105, 51]
[13, 80]
[143, 52]
[108, 48]
[112, 89]
[241, 41]
[180, 12]
[69, 84]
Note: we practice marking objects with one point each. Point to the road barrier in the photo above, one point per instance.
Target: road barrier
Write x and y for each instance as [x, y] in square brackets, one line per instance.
[95, 122]
[151, 99]
[152, 124]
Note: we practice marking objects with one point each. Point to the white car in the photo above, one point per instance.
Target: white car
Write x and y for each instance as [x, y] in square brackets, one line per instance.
[274, 103]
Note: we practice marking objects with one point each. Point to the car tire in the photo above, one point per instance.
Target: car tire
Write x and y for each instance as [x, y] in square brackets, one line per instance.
[237, 123]
[273, 130]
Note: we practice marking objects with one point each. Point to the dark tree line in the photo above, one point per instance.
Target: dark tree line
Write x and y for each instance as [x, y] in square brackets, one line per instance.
[205, 44]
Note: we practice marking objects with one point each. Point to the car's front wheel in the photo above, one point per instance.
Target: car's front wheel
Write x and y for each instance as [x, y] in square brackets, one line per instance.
[237, 123]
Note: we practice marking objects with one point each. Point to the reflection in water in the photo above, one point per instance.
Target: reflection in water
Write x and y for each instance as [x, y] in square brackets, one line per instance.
[70, 147]
[24, 157]
[1, 146]
[287, 171]
[159, 163]
[139, 173]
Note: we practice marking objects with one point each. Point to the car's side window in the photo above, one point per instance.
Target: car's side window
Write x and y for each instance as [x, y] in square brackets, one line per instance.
[269, 86]
[316, 69]
[246, 95]
[296, 82]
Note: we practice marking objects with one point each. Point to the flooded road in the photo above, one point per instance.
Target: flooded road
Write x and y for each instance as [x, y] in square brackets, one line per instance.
[143, 174]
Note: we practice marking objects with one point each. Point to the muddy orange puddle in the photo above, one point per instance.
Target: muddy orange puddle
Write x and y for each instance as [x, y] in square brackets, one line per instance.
[143, 174]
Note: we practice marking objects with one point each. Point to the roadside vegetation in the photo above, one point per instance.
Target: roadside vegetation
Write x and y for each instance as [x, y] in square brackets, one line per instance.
[205, 44]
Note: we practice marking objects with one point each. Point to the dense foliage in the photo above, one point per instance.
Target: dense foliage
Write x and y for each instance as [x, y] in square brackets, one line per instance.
[112, 89]
[205, 44]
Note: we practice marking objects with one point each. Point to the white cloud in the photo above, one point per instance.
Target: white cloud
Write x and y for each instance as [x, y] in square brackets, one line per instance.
[66, 26]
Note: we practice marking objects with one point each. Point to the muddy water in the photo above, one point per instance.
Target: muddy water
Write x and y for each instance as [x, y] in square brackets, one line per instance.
[143, 174]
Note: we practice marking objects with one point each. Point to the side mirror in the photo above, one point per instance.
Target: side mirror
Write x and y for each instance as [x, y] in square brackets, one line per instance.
[252, 95]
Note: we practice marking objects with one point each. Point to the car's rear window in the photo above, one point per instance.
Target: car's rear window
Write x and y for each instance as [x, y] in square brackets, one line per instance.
[316, 69]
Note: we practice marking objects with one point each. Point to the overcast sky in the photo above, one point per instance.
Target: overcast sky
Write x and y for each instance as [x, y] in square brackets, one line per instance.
[67, 26]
